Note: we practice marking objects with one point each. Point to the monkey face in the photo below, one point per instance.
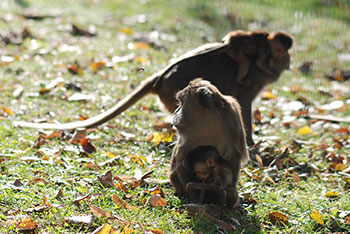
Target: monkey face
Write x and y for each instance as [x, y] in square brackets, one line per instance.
[194, 102]
[202, 171]
[277, 66]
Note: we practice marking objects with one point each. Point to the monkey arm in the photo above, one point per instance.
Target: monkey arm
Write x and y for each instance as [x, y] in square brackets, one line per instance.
[200, 186]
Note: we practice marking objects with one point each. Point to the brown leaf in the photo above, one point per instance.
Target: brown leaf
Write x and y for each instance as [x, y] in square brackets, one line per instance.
[257, 115]
[92, 166]
[122, 187]
[259, 160]
[81, 198]
[59, 193]
[125, 178]
[117, 200]
[18, 183]
[277, 216]
[77, 31]
[96, 66]
[296, 178]
[157, 200]
[99, 212]
[268, 178]
[305, 68]
[27, 224]
[74, 69]
[78, 135]
[87, 145]
[55, 134]
[37, 180]
[157, 231]
[107, 179]
[160, 125]
[347, 220]
[156, 190]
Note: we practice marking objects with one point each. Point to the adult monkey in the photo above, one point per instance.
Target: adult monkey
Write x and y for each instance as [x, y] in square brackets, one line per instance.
[211, 62]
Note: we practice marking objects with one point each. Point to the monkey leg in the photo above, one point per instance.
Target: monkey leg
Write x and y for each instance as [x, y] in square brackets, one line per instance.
[243, 68]
[232, 200]
[176, 182]
[201, 196]
[200, 186]
[263, 67]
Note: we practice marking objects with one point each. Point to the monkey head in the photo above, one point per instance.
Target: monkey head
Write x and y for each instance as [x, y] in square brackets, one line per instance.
[279, 43]
[194, 102]
[204, 169]
[279, 60]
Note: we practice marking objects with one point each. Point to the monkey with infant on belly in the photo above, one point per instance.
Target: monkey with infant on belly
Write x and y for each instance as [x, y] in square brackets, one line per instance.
[217, 179]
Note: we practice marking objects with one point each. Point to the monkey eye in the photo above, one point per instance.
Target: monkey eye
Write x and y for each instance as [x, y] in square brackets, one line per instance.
[204, 95]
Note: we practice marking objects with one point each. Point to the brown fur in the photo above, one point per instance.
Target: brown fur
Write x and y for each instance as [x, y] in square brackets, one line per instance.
[211, 170]
[206, 117]
[241, 45]
[210, 62]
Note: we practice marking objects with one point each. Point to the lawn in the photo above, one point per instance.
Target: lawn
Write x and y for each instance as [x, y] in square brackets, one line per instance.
[75, 182]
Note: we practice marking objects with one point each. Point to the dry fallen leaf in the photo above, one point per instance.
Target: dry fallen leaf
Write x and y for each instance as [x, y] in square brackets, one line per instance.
[92, 166]
[159, 137]
[27, 224]
[104, 229]
[257, 115]
[7, 110]
[88, 147]
[127, 230]
[37, 180]
[122, 187]
[296, 177]
[157, 231]
[332, 194]
[59, 194]
[304, 130]
[107, 179]
[277, 216]
[96, 66]
[267, 95]
[259, 160]
[157, 200]
[347, 220]
[268, 178]
[315, 215]
[110, 155]
[123, 204]
[99, 212]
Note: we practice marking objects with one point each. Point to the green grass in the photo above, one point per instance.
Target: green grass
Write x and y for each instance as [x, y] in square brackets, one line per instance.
[321, 31]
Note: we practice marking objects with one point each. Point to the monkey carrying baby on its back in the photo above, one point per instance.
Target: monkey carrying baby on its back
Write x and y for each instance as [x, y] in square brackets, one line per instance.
[211, 145]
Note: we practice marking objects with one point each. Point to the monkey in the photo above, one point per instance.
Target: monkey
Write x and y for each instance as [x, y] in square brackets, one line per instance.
[206, 117]
[244, 44]
[211, 169]
[209, 61]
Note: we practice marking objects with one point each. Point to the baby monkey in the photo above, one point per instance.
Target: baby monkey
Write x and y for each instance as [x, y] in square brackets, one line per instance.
[216, 176]
[243, 45]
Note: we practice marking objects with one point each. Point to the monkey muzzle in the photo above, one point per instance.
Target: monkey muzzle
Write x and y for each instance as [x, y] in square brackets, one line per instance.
[177, 117]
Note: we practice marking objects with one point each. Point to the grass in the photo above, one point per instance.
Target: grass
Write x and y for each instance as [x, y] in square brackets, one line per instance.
[321, 30]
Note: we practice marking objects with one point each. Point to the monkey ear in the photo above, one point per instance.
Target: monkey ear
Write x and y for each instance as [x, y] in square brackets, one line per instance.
[204, 96]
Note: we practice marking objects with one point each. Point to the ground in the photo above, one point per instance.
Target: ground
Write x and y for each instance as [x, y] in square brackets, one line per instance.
[55, 182]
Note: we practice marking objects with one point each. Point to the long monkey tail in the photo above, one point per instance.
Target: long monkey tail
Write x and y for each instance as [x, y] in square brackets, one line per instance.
[142, 90]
